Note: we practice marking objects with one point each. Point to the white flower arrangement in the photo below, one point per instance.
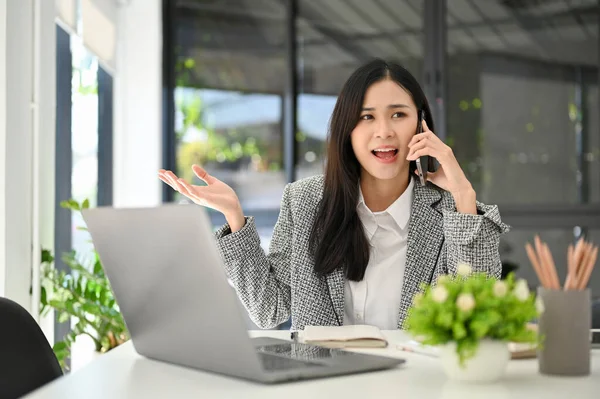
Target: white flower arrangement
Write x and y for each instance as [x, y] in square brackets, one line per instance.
[471, 306]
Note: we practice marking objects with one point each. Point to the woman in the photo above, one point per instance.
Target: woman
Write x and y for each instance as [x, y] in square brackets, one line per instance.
[354, 245]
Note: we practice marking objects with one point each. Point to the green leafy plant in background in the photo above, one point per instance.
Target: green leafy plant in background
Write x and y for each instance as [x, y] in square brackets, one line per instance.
[200, 143]
[81, 293]
[469, 307]
[226, 146]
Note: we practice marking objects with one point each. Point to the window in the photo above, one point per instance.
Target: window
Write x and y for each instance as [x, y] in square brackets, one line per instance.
[523, 92]
[513, 86]
[83, 153]
[522, 112]
[229, 65]
[335, 38]
[84, 140]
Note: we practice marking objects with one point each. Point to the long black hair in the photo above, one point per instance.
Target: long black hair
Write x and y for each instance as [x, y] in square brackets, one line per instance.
[337, 238]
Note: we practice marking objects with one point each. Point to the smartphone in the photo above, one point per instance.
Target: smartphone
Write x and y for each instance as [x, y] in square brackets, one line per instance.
[423, 161]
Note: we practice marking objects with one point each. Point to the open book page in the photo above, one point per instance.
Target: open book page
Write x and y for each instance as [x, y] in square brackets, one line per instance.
[344, 336]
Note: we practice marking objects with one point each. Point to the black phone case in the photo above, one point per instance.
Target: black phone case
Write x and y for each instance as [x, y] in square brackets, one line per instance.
[423, 161]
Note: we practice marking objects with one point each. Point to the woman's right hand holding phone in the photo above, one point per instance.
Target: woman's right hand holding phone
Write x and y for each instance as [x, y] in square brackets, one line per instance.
[216, 195]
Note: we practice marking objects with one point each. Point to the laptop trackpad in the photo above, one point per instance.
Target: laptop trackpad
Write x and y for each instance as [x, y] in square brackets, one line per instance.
[296, 350]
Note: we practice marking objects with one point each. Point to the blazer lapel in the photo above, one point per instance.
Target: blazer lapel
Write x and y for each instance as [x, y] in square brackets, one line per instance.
[425, 239]
[335, 284]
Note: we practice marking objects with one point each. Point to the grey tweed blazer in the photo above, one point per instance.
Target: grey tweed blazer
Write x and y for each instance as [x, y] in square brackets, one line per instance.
[281, 284]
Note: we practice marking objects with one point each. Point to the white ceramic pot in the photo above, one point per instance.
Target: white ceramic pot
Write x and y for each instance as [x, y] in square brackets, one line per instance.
[487, 365]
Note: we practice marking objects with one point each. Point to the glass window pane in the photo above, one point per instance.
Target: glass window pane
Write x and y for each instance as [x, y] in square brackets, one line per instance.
[335, 38]
[522, 85]
[84, 143]
[84, 170]
[230, 74]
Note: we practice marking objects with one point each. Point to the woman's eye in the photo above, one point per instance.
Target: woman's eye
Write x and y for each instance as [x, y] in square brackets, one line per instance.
[399, 115]
[366, 117]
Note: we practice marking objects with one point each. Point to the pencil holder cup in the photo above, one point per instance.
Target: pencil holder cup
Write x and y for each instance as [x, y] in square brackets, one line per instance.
[564, 327]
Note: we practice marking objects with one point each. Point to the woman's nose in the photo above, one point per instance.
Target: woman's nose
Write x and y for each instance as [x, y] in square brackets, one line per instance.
[384, 130]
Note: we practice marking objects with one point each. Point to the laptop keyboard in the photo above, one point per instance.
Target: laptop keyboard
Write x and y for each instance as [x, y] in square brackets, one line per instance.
[276, 363]
[295, 355]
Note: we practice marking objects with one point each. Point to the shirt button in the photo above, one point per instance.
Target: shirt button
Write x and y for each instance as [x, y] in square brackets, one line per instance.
[358, 317]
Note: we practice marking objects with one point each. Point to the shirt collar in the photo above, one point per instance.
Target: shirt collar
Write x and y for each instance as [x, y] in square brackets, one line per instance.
[399, 209]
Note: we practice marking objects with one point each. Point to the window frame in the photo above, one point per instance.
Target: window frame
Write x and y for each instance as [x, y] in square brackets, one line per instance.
[435, 82]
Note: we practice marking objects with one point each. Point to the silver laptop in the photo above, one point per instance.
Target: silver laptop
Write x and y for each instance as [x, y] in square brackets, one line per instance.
[170, 284]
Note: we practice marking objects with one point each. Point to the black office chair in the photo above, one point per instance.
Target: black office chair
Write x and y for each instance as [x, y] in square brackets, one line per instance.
[26, 358]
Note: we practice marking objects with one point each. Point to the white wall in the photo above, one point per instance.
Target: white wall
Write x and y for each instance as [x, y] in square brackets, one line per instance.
[47, 118]
[137, 107]
[17, 164]
[26, 100]
[46, 137]
[3, 12]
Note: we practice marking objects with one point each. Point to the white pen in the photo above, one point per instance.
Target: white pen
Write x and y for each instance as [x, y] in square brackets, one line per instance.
[417, 348]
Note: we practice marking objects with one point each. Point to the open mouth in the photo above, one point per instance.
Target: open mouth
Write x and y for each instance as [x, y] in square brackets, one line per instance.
[385, 154]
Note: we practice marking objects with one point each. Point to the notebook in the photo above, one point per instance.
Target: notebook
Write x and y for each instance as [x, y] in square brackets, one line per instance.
[522, 350]
[350, 336]
[365, 336]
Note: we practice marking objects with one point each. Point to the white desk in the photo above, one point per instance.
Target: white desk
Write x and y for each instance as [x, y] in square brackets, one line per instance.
[122, 373]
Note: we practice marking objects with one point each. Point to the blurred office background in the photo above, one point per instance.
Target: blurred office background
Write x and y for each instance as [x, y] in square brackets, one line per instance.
[513, 83]
[96, 95]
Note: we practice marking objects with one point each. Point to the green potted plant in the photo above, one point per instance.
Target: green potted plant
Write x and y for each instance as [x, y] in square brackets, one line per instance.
[472, 318]
[83, 294]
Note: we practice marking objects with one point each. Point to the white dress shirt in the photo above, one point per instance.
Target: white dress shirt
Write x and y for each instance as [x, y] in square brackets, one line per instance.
[376, 299]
